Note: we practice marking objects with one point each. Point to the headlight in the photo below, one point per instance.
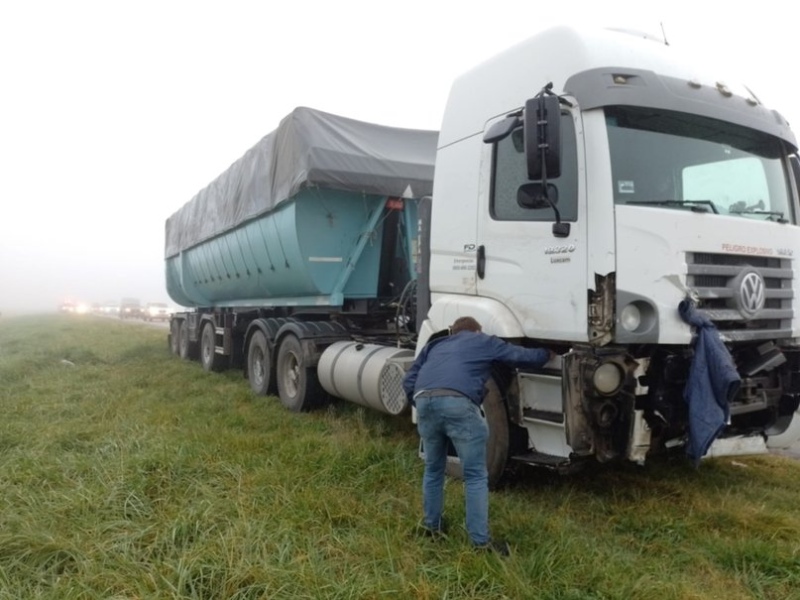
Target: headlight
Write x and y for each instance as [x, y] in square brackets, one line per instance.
[607, 378]
[630, 318]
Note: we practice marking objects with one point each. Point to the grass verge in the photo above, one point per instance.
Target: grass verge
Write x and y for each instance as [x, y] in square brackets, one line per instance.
[128, 473]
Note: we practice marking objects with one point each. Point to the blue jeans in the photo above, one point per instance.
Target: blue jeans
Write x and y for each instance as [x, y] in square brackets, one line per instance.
[458, 419]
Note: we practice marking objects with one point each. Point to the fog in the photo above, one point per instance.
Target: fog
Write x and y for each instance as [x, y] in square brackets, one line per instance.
[115, 113]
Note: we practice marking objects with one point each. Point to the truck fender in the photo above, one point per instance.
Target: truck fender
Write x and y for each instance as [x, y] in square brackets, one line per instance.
[495, 317]
[313, 335]
[270, 329]
[269, 326]
[205, 318]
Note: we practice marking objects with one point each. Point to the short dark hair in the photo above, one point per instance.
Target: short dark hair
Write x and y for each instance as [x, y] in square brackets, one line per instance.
[465, 324]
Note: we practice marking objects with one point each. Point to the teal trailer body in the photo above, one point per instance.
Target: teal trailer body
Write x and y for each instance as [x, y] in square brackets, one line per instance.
[320, 212]
[317, 249]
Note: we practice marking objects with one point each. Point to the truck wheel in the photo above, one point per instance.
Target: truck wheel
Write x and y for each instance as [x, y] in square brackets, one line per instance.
[298, 387]
[175, 337]
[187, 350]
[209, 358]
[259, 365]
[497, 445]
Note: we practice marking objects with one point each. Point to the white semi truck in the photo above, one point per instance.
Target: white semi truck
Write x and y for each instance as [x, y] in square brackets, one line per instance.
[587, 182]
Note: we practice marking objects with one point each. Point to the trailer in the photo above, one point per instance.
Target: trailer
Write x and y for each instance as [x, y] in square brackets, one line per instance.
[308, 241]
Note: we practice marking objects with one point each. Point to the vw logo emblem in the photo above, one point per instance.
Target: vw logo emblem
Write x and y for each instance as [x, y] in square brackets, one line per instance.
[750, 295]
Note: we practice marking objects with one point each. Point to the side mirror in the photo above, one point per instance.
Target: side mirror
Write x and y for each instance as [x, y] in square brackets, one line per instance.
[501, 129]
[531, 195]
[543, 137]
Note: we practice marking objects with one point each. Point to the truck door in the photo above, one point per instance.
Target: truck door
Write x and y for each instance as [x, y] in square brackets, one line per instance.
[541, 278]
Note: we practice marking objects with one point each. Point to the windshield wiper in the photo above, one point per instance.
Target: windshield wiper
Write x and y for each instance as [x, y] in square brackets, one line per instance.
[741, 208]
[768, 213]
[694, 205]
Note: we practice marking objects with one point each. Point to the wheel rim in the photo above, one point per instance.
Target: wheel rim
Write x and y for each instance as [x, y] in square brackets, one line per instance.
[184, 339]
[292, 375]
[257, 366]
[208, 345]
[175, 339]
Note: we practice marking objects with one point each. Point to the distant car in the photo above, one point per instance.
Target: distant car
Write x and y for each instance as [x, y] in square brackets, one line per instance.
[130, 308]
[109, 308]
[156, 311]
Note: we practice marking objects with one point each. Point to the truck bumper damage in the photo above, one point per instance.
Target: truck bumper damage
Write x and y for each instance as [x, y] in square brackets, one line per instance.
[607, 404]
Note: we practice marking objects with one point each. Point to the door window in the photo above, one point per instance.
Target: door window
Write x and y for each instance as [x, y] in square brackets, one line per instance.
[510, 172]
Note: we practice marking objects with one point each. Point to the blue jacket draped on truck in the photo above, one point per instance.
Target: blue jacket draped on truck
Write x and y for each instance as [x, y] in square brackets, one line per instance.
[713, 382]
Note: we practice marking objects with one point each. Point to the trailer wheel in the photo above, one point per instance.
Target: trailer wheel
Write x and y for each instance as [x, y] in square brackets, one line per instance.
[298, 387]
[209, 358]
[259, 365]
[497, 445]
[187, 350]
[175, 337]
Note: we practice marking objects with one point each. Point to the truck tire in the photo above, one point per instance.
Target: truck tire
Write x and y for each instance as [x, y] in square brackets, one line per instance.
[175, 337]
[259, 365]
[494, 407]
[187, 349]
[298, 387]
[209, 358]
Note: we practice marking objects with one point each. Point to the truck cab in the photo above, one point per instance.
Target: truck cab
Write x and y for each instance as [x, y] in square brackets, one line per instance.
[587, 183]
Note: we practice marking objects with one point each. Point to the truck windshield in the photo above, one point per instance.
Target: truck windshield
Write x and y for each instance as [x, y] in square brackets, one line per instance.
[686, 162]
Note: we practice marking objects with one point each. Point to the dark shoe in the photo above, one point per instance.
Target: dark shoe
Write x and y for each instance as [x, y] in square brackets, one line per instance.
[433, 532]
[497, 546]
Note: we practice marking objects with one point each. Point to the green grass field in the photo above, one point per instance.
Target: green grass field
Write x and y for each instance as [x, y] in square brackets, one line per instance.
[127, 473]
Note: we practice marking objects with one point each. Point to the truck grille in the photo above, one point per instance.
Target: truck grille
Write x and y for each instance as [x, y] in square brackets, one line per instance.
[746, 297]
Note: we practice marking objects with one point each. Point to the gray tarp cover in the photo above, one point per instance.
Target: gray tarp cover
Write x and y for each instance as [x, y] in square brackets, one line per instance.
[309, 148]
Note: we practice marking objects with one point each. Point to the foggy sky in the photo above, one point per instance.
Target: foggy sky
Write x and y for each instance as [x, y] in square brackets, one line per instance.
[115, 113]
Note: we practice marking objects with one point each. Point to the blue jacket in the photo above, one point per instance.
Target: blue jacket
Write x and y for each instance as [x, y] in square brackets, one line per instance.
[463, 363]
[713, 382]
